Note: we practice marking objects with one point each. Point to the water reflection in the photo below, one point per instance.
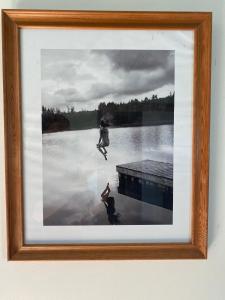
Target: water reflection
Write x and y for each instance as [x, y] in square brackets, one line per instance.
[75, 174]
[109, 203]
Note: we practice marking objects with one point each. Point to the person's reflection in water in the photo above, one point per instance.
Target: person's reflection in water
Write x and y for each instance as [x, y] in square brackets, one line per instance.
[109, 203]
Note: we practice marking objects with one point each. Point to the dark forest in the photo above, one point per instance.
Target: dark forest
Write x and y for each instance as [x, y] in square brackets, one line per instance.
[146, 112]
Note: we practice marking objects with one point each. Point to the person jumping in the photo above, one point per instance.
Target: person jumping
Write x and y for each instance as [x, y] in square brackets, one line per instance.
[103, 139]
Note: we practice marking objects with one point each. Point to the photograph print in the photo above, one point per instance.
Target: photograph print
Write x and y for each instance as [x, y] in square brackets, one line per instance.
[107, 134]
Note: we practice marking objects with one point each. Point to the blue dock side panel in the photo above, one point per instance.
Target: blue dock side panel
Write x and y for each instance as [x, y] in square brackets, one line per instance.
[147, 180]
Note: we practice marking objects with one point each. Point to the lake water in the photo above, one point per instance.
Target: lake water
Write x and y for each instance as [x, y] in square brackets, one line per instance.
[75, 173]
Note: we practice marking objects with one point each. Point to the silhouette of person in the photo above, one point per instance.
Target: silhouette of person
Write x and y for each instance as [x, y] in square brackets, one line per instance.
[109, 203]
[104, 138]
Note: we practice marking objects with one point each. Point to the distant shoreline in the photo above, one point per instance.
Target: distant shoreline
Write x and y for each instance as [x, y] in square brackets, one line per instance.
[146, 112]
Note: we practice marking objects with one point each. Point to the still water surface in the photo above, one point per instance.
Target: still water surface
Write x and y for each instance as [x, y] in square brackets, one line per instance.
[75, 174]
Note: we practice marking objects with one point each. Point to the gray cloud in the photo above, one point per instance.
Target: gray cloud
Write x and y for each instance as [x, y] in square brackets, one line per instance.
[86, 77]
[140, 71]
[70, 94]
[138, 59]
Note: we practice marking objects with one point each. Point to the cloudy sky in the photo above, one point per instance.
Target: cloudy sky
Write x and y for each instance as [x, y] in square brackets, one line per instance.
[83, 78]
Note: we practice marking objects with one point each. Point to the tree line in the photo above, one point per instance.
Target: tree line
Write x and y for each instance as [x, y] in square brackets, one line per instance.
[145, 112]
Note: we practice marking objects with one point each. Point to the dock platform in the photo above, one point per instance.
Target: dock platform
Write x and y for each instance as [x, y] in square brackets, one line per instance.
[147, 180]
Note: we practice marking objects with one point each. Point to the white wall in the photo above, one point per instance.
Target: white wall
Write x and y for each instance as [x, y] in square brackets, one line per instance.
[133, 279]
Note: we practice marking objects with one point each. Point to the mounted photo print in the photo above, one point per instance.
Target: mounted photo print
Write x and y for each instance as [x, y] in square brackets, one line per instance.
[96, 110]
[107, 130]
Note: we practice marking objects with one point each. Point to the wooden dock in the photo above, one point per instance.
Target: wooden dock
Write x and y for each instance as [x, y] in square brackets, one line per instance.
[147, 180]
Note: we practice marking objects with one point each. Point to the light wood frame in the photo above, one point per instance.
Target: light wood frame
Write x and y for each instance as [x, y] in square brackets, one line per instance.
[13, 21]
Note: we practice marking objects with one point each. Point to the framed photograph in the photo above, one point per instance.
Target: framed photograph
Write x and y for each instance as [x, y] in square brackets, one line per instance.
[106, 134]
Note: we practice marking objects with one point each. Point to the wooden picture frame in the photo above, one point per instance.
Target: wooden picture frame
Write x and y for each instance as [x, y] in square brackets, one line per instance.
[15, 20]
